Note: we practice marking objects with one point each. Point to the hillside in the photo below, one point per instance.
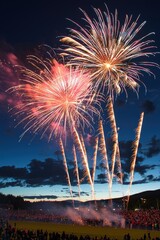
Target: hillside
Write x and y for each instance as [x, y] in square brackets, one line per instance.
[144, 200]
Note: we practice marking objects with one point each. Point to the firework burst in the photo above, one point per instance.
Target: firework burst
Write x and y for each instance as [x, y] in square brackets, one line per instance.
[53, 97]
[110, 51]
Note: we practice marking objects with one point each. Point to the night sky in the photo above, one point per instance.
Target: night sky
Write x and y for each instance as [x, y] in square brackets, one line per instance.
[33, 166]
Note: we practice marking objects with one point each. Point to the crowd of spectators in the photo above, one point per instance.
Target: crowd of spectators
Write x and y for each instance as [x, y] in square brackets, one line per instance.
[33, 215]
[7, 232]
[144, 219]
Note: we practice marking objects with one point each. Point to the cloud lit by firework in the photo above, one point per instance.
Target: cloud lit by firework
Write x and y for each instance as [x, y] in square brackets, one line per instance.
[53, 98]
[9, 77]
[113, 53]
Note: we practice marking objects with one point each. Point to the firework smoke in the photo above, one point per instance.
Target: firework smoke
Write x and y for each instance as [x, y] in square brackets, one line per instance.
[90, 215]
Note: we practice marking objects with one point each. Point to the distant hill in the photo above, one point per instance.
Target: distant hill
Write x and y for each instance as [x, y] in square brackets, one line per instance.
[148, 194]
[143, 200]
[147, 199]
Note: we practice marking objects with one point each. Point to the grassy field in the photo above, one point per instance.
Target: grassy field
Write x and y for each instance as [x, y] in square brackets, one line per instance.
[117, 233]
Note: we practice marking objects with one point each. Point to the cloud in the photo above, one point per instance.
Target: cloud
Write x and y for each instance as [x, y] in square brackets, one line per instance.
[49, 172]
[142, 169]
[147, 179]
[52, 172]
[9, 77]
[12, 183]
[49, 197]
[154, 147]
[39, 173]
[101, 178]
[125, 149]
[13, 172]
[148, 106]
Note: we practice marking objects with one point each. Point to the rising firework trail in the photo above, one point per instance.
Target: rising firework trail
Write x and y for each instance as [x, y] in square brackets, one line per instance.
[135, 150]
[95, 158]
[65, 166]
[112, 120]
[119, 166]
[84, 158]
[83, 145]
[76, 170]
[103, 150]
[53, 98]
[111, 51]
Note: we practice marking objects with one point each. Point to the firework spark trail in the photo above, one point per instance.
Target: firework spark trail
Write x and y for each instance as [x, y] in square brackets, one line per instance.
[76, 170]
[103, 150]
[51, 96]
[119, 166]
[83, 145]
[84, 159]
[135, 150]
[65, 167]
[108, 49]
[95, 158]
[112, 119]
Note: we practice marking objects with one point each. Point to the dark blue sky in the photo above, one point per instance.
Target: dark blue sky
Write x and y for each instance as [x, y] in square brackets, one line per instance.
[23, 26]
